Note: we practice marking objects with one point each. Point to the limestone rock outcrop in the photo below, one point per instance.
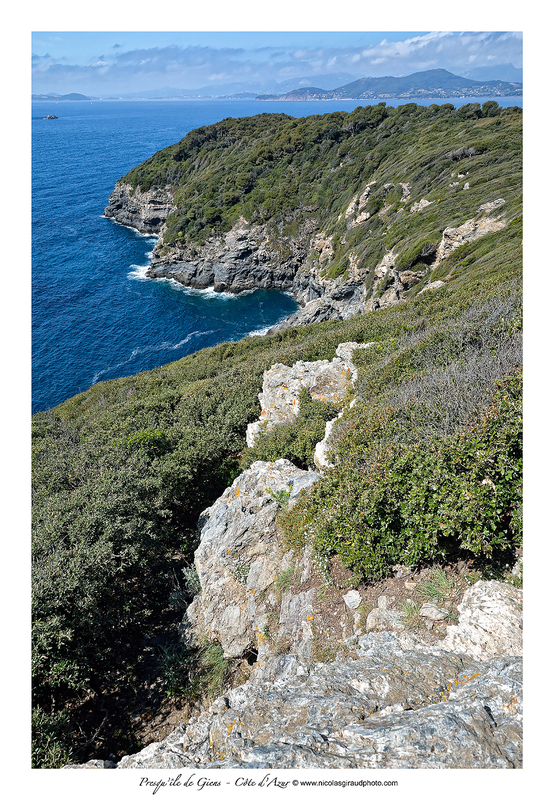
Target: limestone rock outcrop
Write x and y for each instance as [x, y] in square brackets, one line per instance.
[390, 284]
[399, 704]
[472, 229]
[246, 257]
[326, 380]
[395, 702]
[239, 560]
[390, 699]
[490, 622]
[144, 211]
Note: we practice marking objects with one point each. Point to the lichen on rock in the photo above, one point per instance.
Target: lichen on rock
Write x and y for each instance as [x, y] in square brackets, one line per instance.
[239, 559]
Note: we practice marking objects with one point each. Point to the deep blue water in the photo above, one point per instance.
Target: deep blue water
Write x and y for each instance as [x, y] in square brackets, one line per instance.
[94, 314]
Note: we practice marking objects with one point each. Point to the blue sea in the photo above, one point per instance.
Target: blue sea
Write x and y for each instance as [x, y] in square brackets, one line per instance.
[95, 316]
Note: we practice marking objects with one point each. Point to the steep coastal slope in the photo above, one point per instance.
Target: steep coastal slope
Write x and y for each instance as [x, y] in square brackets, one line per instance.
[338, 680]
[377, 513]
[349, 212]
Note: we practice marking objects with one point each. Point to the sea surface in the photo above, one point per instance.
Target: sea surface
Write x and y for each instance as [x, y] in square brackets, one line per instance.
[95, 316]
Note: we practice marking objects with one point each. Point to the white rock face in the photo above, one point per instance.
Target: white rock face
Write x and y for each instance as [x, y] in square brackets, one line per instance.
[431, 286]
[281, 387]
[239, 558]
[358, 202]
[419, 206]
[401, 704]
[386, 264]
[321, 451]
[470, 230]
[326, 380]
[490, 622]
[352, 599]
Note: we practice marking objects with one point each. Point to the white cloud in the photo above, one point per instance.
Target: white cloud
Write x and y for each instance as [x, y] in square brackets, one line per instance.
[195, 66]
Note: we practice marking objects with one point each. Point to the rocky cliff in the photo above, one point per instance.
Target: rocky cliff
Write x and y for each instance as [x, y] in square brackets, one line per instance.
[145, 211]
[328, 689]
[339, 678]
[350, 212]
[252, 256]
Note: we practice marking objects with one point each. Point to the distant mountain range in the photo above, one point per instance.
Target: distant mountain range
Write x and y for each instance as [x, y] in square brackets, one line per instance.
[235, 91]
[433, 83]
[246, 89]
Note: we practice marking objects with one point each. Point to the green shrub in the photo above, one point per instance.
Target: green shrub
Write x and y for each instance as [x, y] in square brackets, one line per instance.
[52, 740]
[417, 251]
[414, 502]
[294, 441]
[193, 674]
[338, 268]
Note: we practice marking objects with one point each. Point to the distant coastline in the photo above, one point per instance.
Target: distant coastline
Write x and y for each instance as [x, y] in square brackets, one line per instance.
[501, 99]
[437, 84]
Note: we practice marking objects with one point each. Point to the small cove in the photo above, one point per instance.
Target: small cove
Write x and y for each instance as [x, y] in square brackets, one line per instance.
[95, 316]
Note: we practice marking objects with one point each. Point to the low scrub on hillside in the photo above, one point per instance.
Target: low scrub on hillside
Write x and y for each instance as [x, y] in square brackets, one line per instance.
[422, 500]
[282, 171]
[428, 462]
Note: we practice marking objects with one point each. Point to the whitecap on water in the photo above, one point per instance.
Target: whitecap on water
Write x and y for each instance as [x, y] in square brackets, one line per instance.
[151, 348]
[138, 273]
[143, 234]
[209, 292]
[263, 331]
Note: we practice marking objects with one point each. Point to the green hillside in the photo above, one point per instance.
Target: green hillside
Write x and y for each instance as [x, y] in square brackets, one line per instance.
[280, 171]
[428, 460]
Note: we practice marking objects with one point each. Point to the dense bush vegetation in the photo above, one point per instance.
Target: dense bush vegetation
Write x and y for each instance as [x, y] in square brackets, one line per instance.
[282, 171]
[428, 461]
[295, 441]
[418, 501]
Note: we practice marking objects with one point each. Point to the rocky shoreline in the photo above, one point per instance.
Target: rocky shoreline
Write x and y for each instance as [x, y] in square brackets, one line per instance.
[253, 256]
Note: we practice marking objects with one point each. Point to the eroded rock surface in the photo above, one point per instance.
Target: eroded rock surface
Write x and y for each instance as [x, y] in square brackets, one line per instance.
[390, 699]
[244, 258]
[253, 256]
[490, 622]
[399, 702]
[326, 380]
[239, 560]
[144, 211]
[398, 705]
[396, 702]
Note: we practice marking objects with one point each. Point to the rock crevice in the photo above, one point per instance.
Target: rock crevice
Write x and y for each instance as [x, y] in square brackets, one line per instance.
[390, 699]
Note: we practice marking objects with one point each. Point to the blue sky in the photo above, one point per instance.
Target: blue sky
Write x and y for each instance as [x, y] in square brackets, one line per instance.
[104, 63]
